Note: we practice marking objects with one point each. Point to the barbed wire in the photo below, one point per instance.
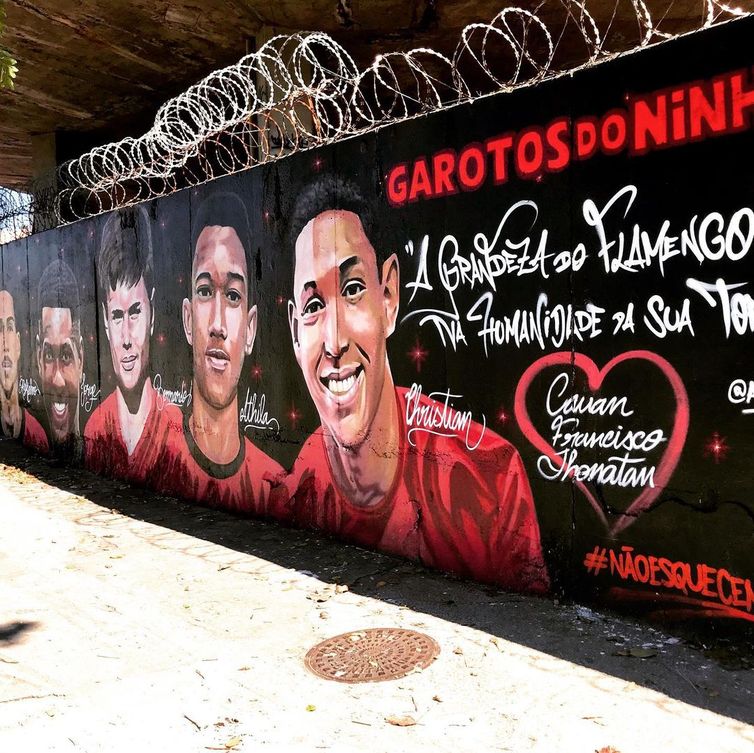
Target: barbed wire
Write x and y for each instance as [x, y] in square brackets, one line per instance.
[304, 90]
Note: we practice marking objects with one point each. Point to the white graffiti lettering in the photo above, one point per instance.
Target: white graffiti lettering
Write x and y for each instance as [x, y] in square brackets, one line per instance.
[28, 388]
[618, 471]
[253, 414]
[516, 249]
[579, 405]
[661, 319]
[88, 394]
[710, 239]
[741, 392]
[165, 396]
[437, 416]
[568, 439]
[737, 309]
[544, 325]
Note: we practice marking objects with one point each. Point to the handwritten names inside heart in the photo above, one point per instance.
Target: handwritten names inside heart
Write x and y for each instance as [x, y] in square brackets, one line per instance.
[629, 466]
[615, 407]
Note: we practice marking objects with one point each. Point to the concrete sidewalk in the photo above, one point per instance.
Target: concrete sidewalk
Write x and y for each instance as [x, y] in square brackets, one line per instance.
[131, 622]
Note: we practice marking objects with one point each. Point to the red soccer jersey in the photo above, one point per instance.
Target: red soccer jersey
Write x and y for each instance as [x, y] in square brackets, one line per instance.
[106, 452]
[243, 485]
[463, 511]
[33, 435]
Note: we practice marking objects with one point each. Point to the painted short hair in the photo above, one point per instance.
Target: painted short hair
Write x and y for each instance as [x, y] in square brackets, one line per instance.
[225, 209]
[58, 289]
[125, 254]
[333, 192]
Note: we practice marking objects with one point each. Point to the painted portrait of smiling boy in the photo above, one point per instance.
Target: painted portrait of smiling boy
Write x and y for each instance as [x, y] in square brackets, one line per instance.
[15, 421]
[211, 461]
[125, 432]
[60, 354]
[358, 476]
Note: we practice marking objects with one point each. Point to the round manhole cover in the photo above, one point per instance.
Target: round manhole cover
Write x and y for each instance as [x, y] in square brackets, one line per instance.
[371, 655]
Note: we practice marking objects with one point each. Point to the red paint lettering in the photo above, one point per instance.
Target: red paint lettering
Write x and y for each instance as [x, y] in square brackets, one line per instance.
[742, 99]
[667, 570]
[397, 185]
[723, 575]
[498, 148]
[724, 593]
[708, 578]
[681, 576]
[443, 164]
[613, 132]
[586, 138]
[642, 568]
[707, 117]
[472, 167]
[749, 594]
[698, 586]
[660, 119]
[616, 563]
[420, 183]
[530, 152]
[650, 127]
[556, 137]
[678, 114]
[737, 591]
[630, 571]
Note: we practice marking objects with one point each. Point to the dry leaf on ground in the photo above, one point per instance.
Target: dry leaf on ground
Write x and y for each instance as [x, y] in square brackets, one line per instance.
[401, 721]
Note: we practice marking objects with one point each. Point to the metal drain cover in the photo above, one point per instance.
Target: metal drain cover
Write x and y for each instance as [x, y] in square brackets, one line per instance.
[371, 655]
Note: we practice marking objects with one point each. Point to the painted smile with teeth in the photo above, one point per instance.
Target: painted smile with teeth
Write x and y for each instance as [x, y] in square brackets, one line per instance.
[128, 362]
[341, 382]
[60, 409]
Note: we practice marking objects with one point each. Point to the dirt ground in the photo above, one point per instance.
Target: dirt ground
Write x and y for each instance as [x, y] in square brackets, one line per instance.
[133, 622]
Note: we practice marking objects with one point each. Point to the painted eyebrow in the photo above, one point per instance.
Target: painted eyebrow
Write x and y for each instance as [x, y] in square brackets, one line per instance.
[310, 285]
[234, 276]
[203, 276]
[237, 277]
[134, 308]
[116, 312]
[346, 264]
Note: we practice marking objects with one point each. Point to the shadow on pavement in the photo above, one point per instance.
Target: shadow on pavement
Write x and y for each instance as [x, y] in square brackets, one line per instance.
[12, 632]
[708, 666]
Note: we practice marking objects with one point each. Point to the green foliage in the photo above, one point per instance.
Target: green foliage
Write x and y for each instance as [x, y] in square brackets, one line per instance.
[8, 65]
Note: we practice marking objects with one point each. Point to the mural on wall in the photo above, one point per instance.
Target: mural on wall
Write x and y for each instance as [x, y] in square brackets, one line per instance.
[389, 464]
[510, 340]
[126, 430]
[210, 459]
[17, 387]
[60, 353]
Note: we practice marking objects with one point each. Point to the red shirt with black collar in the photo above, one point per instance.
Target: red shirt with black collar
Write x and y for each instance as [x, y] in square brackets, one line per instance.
[469, 512]
[242, 485]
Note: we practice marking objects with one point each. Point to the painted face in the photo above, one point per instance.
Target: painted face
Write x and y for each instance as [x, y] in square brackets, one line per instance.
[218, 322]
[60, 366]
[340, 319]
[10, 343]
[128, 324]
